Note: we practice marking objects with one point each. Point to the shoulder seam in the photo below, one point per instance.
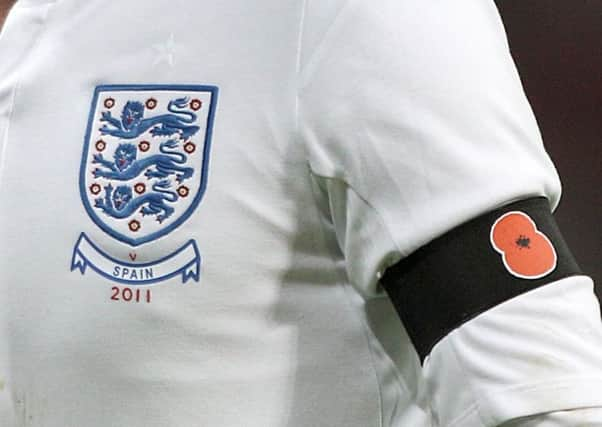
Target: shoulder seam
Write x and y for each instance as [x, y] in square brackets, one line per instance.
[15, 90]
[298, 69]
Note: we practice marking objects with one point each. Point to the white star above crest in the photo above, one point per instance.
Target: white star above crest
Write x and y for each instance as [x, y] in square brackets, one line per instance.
[165, 52]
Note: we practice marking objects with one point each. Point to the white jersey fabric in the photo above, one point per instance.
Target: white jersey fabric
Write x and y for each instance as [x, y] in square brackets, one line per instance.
[344, 136]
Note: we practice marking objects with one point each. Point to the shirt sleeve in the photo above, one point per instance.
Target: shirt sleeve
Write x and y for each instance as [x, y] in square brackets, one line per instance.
[537, 353]
[415, 121]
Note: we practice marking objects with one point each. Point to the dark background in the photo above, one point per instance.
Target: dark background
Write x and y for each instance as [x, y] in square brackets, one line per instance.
[557, 47]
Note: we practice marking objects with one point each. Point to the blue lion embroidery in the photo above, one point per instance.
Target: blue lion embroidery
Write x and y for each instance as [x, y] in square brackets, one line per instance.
[121, 203]
[133, 123]
[125, 166]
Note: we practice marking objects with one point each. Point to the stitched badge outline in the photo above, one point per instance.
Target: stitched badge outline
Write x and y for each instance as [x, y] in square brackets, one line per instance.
[141, 167]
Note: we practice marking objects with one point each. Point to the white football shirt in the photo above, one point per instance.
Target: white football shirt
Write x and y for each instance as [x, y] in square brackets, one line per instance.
[197, 200]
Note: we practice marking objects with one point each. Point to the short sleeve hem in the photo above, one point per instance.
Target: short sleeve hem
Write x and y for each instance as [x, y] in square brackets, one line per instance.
[493, 409]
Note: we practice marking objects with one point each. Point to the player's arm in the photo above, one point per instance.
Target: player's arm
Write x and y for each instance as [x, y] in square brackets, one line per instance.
[421, 139]
[498, 308]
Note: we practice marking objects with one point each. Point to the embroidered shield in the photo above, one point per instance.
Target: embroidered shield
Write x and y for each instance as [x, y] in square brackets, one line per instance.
[145, 158]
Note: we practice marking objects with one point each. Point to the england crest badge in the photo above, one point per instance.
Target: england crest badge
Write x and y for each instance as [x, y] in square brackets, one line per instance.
[144, 172]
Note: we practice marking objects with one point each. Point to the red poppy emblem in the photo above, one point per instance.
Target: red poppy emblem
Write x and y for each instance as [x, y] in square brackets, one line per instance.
[526, 252]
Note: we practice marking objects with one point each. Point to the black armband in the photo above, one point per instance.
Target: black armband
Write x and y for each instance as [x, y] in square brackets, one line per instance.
[475, 267]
